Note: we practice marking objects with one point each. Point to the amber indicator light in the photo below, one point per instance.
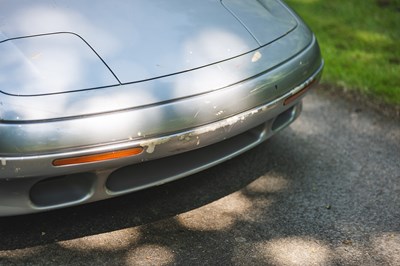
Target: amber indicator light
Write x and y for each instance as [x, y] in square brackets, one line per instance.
[105, 156]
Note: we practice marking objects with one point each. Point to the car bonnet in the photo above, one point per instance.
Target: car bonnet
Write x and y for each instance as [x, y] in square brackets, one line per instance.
[71, 45]
[52, 47]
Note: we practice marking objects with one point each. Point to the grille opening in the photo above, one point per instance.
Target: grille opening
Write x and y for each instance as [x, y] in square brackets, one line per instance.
[283, 119]
[62, 190]
[159, 171]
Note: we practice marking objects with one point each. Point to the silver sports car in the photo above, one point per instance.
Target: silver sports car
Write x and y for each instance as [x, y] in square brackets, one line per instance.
[98, 99]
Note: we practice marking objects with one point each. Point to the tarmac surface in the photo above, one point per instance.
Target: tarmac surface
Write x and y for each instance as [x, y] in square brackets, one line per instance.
[324, 191]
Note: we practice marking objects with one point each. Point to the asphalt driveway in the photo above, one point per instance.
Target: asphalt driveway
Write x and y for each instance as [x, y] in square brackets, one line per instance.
[324, 191]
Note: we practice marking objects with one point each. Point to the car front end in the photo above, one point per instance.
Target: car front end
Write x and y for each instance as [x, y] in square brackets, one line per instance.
[118, 133]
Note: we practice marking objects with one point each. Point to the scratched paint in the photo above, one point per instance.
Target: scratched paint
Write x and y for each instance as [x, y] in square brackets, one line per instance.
[228, 123]
[151, 145]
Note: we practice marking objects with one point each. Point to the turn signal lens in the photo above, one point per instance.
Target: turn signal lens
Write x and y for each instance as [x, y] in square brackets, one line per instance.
[105, 156]
[298, 94]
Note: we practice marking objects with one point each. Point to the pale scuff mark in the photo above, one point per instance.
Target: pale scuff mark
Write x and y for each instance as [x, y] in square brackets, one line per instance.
[151, 144]
[257, 56]
[36, 56]
[229, 122]
[186, 137]
[3, 161]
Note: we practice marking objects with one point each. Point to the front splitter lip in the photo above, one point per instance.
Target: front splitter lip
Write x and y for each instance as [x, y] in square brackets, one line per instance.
[156, 147]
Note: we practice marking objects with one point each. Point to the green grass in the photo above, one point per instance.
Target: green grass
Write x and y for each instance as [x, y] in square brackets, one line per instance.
[360, 42]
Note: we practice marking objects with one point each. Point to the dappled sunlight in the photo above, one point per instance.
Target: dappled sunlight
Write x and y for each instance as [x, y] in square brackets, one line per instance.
[179, 40]
[373, 37]
[58, 18]
[218, 215]
[286, 202]
[51, 64]
[204, 45]
[349, 251]
[387, 245]
[246, 205]
[208, 44]
[21, 254]
[106, 127]
[119, 99]
[150, 254]
[91, 130]
[383, 247]
[56, 62]
[268, 183]
[110, 241]
[363, 56]
[205, 79]
[295, 251]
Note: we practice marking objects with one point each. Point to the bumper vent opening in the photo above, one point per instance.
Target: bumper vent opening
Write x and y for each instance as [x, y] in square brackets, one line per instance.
[284, 119]
[159, 171]
[62, 190]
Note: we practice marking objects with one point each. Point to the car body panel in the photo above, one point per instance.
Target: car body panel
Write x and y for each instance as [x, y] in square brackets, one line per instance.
[51, 63]
[179, 86]
[255, 15]
[139, 39]
[182, 117]
[35, 137]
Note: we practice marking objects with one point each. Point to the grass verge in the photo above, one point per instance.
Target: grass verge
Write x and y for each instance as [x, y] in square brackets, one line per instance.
[360, 42]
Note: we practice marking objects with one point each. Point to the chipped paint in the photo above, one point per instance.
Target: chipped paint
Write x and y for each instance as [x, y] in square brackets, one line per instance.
[226, 124]
[257, 56]
[151, 144]
[3, 161]
[36, 55]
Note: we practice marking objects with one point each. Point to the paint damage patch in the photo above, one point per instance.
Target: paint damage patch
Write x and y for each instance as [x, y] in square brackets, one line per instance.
[226, 124]
[151, 145]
